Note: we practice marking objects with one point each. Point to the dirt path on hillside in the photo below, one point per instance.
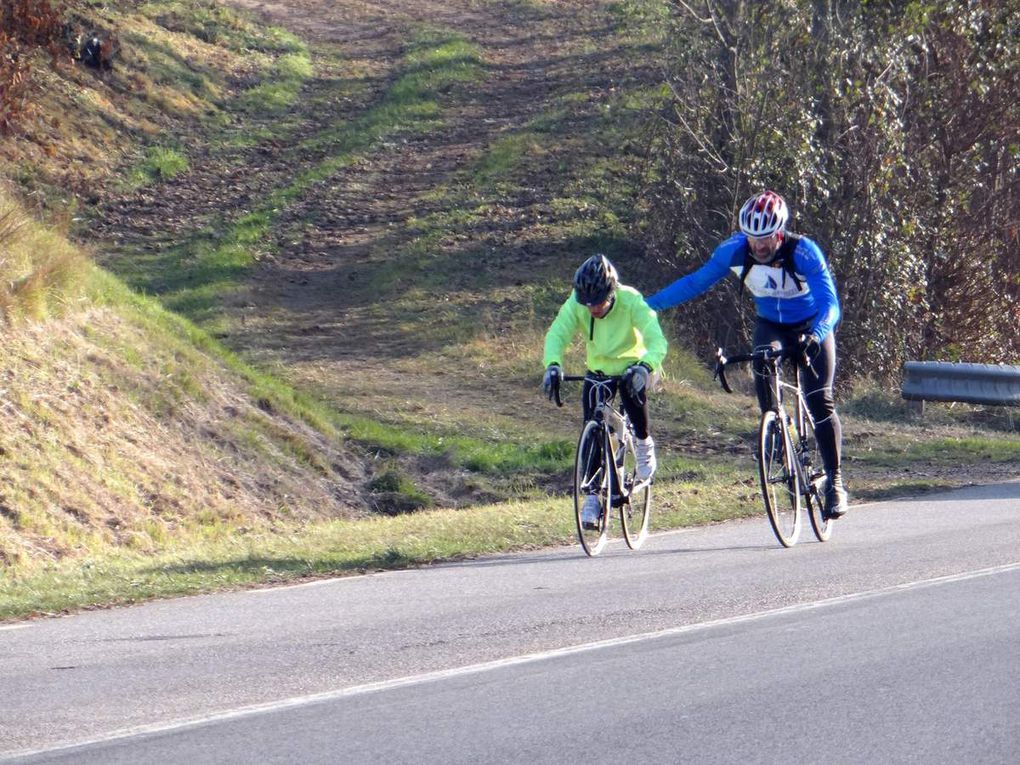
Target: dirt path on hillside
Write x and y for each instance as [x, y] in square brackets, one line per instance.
[333, 242]
[311, 306]
[314, 307]
[312, 299]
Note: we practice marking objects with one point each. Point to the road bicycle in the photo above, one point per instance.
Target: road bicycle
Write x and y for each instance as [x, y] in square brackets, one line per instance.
[789, 465]
[605, 465]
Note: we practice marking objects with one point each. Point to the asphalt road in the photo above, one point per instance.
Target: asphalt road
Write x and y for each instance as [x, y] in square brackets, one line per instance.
[895, 642]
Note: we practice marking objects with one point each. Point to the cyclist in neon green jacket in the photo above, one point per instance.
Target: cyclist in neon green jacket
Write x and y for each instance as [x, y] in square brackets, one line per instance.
[622, 337]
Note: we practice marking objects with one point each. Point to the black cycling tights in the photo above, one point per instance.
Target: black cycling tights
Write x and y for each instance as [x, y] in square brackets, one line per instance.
[636, 408]
[816, 384]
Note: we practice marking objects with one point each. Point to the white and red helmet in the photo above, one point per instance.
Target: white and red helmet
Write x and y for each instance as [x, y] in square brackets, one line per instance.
[763, 215]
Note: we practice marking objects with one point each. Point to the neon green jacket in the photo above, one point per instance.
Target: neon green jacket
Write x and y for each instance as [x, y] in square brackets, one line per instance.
[629, 333]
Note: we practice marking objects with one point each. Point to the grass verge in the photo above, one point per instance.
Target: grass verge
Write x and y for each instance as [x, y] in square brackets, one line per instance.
[295, 552]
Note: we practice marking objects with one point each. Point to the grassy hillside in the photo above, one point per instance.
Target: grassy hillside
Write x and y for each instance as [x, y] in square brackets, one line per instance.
[296, 330]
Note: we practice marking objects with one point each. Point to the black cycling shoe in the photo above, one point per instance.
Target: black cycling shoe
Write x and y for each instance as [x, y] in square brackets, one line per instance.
[835, 498]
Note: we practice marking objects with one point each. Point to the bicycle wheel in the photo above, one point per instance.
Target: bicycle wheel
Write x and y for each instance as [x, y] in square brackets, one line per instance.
[811, 464]
[815, 499]
[778, 479]
[590, 479]
[636, 510]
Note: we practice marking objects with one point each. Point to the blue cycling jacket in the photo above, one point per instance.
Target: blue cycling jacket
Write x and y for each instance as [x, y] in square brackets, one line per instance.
[777, 297]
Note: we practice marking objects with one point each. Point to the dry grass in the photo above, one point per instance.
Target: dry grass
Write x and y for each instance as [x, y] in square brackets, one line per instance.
[120, 436]
[93, 125]
[39, 270]
[118, 432]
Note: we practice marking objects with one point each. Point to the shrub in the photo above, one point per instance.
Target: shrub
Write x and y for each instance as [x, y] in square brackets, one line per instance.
[25, 25]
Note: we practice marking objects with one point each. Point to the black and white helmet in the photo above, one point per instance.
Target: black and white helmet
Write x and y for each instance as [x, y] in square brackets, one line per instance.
[763, 215]
[595, 281]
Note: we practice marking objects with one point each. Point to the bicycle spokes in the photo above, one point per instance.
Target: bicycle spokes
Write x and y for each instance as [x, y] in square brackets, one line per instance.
[778, 476]
[591, 489]
[604, 468]
[788, 460]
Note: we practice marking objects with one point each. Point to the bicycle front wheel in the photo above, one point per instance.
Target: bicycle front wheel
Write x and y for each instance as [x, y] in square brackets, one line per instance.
[779, 479]
[590, 480]
[636, 510]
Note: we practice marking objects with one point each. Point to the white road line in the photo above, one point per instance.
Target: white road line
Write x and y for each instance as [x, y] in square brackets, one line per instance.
[428, 677]
[9, 627]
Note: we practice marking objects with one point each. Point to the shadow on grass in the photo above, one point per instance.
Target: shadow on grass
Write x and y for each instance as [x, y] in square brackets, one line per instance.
[269, 569]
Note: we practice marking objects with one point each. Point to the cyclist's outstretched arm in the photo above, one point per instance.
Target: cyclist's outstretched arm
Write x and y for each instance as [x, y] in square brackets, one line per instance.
[694, 284]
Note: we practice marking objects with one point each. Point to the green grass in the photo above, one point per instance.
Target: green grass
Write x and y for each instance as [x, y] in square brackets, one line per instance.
[286, 77]
[194, 279]
[222, 26]
[941, 451]
[161, 163]
[506, 155]
[478, 453]
[39, 269]
[192, 344]
[393, 493]
[435, 62]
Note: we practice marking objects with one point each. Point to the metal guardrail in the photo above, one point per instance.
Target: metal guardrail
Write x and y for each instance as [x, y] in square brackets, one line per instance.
[996, 385]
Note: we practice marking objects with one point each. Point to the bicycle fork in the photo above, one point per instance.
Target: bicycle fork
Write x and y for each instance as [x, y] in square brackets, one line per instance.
[795, 479]
[615, 453]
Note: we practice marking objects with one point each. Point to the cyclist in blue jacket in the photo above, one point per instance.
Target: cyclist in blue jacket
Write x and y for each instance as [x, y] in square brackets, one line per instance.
[797, 307]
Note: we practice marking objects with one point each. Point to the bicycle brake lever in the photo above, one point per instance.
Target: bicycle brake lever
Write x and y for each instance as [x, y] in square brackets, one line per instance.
[720, 375]
[805, 359]
[720, 369]
[722, 379]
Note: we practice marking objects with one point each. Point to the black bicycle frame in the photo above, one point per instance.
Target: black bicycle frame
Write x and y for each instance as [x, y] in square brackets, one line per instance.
[618, 493]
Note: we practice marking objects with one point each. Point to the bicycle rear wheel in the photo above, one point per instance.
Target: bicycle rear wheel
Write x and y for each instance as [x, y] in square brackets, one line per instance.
[636, 511]
[815, 499]
[778, 479]
[811, 464]
[590, 479]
